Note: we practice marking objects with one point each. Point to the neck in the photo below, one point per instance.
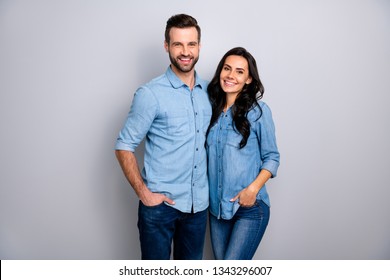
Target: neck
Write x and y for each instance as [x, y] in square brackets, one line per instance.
[186, 77]
[230, 98]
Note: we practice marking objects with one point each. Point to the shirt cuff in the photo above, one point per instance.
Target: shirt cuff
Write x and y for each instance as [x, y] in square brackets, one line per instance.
[123, 146]
[271, 166]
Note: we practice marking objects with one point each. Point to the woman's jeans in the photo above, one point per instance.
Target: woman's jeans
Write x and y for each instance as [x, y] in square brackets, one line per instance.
[238, 238]
[161, 224]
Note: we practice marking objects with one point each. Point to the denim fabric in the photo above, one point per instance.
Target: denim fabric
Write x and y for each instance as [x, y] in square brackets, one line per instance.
[160, 225]
[232, 169]
[174, 120]
[238, 238]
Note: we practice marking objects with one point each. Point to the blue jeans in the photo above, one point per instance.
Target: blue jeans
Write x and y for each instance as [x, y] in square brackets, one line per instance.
[161, 225]
[238, 238]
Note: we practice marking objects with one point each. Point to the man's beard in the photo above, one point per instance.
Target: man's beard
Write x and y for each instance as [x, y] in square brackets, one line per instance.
[182, 68]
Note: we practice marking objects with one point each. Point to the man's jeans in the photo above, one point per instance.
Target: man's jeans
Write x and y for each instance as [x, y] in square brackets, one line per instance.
[161, 224]
[238, 238]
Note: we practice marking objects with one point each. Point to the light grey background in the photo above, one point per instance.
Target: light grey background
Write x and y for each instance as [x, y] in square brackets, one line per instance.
[68, 71]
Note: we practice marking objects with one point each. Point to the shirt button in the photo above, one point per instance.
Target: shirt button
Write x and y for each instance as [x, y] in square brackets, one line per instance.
[197, 149]
[197, 131]
[195, 166]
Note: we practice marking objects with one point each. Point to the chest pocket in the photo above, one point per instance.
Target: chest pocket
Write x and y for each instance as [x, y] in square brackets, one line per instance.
[212, 137]
[233, 137]
[178, 122]
[206, 116]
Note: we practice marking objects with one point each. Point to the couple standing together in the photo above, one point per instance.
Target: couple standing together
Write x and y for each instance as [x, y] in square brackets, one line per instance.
[209, 150]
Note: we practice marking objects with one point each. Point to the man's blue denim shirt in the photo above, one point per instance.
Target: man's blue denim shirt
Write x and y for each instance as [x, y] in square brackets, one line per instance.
[174, 121]
[232, 169]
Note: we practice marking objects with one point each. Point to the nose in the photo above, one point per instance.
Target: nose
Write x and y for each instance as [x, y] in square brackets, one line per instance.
[230, 75]
[185, 50]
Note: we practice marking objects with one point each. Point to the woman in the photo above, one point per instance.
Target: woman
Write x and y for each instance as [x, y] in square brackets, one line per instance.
[242, 156]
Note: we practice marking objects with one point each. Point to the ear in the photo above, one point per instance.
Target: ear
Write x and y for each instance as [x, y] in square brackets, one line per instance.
[166, 46]
[249, 80]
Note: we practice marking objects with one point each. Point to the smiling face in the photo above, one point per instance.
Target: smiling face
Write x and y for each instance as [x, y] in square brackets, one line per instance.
[234, 75]
[183, 49]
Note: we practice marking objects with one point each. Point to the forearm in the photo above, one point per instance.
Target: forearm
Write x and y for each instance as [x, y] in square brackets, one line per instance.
[251, 191]
[247, 196]
[128, 162]
[129, 165]
[260, 180]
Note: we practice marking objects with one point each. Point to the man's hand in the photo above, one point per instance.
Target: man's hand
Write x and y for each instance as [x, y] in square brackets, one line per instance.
[153, 199]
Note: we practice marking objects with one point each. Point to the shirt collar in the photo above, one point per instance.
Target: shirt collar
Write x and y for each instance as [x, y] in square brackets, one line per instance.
[175, 80]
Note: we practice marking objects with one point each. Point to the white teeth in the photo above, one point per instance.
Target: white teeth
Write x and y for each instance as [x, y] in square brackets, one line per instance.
[229, 83]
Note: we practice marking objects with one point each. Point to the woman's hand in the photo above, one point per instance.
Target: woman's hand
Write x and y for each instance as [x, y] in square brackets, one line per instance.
[246, 197]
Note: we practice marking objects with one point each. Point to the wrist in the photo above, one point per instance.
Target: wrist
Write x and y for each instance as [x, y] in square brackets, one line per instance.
[144, 193]
[253, 188]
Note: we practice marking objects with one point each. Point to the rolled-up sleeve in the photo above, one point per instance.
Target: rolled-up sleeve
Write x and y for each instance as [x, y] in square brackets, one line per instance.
[270, 156]
[143, 110]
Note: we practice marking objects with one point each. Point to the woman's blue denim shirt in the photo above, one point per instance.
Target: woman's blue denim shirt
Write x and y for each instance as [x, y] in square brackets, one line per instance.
[232, 169]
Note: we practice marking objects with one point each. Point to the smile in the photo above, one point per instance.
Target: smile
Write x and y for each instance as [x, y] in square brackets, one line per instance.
[185, 60]
[229, 84]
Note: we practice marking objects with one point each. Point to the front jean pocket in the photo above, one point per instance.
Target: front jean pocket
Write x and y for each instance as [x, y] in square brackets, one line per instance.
[256, 212]
[153, 206]
[256, 204]
[154, 214]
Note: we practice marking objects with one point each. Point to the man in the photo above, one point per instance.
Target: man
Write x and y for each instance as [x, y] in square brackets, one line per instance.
[173, 112]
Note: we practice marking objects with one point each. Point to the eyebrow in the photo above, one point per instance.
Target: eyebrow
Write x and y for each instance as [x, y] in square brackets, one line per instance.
[183, 43]
[242, 69]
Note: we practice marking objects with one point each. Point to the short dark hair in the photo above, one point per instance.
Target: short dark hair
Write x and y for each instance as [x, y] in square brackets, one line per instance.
[181, 21]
